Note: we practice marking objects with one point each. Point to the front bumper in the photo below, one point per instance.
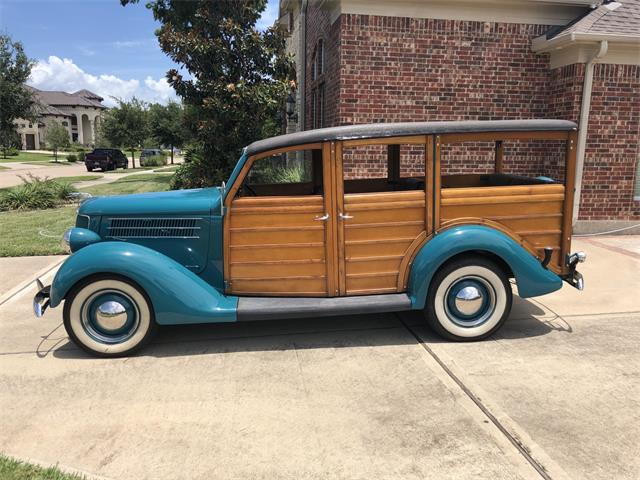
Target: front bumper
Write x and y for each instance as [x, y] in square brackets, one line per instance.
[41, 299]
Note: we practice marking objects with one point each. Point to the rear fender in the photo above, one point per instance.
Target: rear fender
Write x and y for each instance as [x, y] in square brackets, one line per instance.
[178, 295]
[532, 278]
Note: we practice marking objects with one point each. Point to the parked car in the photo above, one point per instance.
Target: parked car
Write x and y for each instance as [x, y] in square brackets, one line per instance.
[105, 159]
[149, 153]
[353, 219]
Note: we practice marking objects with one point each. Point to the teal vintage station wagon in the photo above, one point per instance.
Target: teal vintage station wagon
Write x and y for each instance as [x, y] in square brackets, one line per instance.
[432, 216]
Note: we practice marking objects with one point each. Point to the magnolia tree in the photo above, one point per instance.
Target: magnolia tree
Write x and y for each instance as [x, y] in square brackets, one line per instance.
[237, 82]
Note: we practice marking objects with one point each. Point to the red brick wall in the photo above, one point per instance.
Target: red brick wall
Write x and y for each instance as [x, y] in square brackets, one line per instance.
[390, 69]
[403, 69]
[319, 27]
[613, 145]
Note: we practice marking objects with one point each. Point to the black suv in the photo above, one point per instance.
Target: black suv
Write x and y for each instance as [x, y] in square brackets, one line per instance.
[105, 159]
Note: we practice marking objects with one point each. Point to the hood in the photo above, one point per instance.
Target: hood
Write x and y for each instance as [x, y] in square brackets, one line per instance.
[200, 201]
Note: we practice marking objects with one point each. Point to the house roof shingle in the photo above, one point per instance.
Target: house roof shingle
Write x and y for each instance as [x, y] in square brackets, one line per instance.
[610, 18]
[82, 98]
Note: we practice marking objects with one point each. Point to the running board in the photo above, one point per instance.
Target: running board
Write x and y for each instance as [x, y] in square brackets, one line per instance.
[272, 308]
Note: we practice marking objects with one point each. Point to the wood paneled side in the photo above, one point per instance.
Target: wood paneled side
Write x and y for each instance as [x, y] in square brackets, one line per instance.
[531, 212]
[377, 238]
[276, 247]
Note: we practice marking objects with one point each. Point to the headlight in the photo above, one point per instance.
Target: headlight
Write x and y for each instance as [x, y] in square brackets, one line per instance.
[66, 240]
[76, 238]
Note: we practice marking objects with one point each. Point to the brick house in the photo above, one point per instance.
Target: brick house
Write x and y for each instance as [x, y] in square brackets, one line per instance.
[361, 61]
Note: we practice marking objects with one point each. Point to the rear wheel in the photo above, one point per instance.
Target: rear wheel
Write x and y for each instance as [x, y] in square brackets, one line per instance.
[108, 316]
[89, 169]
[469, 299]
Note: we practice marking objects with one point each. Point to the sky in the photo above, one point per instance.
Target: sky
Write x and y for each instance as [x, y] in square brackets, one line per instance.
[95, 44]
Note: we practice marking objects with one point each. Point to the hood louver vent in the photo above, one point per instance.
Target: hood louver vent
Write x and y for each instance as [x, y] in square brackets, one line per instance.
[154, 228]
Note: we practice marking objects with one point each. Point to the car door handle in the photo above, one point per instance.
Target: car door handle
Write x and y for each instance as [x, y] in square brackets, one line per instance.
[323, 218]
[344, 216]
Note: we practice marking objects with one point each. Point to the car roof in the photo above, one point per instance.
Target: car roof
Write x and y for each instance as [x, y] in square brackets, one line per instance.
[382, 130]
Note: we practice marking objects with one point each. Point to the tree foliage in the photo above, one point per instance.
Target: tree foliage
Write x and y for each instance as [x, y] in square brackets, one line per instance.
[126, 125]
[237, 77]
[167, 125]
[57, 137]
[16, 101]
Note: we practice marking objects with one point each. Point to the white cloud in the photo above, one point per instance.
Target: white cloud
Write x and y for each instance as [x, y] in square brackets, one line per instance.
[62, 74]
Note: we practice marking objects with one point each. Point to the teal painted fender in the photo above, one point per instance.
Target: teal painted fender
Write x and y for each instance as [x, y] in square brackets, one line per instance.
[178, 295]
[531, 277]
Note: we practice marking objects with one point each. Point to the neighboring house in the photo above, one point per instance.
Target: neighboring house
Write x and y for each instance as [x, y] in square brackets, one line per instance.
[78, 112]
[419, 60]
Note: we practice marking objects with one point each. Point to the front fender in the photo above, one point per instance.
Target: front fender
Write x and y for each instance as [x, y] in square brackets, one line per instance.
[178, 295]
[532, 278]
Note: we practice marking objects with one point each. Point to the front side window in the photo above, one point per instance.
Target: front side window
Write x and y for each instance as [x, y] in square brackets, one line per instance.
[289, 173]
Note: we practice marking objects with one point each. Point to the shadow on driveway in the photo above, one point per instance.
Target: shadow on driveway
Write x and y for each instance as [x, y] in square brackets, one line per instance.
[376, 330]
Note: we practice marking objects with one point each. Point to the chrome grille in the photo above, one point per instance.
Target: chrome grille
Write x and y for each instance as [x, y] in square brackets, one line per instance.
[154, 227]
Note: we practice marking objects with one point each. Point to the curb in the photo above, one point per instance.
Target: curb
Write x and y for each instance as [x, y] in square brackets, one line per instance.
[27, 283]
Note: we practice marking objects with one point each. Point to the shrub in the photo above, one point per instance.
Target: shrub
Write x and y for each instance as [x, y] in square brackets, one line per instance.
[36, 194]
[154, 161]
[12, 151]
[81, 156]
[195, 173]
[72, 158]
[272, 174]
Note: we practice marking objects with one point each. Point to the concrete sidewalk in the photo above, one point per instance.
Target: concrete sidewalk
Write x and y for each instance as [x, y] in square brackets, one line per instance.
[554, 395]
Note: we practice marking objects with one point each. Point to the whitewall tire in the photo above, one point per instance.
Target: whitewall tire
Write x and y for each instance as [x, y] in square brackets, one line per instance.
[108, 316]
[469, 299]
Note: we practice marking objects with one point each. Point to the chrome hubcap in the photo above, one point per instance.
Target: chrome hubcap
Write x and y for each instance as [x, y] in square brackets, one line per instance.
[111, 315]
[470, 301]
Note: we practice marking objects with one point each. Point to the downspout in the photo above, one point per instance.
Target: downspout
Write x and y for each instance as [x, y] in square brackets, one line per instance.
[303, 62]
[584, 124]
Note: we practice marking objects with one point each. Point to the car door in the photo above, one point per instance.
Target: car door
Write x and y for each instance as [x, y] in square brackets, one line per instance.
[279, 237]
[382, 212]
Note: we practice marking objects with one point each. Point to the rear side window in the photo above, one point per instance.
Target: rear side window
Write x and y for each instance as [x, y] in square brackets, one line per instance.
[383, 168]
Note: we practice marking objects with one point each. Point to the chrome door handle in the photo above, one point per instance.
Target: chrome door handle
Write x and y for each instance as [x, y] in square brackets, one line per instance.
[323, 218]
[344, 216]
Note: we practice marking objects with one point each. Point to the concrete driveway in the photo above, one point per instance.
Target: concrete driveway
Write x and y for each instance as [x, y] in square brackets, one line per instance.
[556, 394]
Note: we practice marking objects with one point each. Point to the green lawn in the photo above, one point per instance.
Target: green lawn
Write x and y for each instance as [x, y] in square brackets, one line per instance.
[172, 168]
[77, 178]
[25, 156]
[11, 469]
[132, 184]
[36, 232]
[39, 232]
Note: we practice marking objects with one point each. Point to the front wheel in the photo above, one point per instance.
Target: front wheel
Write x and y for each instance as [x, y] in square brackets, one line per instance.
[469, 299]
[108, 316]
